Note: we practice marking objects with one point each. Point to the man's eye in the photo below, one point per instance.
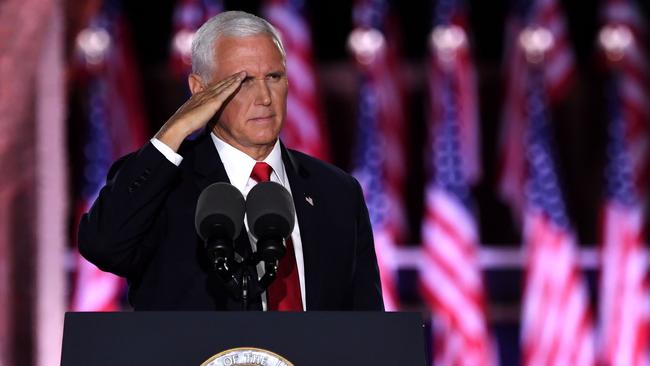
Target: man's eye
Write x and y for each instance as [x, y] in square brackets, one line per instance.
[274, 77]
[248, 80]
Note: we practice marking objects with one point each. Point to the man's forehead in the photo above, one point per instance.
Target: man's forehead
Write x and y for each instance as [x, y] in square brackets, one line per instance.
[254, 54]
[247, 45]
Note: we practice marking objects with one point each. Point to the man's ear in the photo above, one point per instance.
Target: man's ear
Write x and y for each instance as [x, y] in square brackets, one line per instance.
[196, 83]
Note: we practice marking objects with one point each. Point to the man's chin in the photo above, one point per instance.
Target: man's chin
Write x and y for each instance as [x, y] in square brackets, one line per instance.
[265, 142]
[266, 137]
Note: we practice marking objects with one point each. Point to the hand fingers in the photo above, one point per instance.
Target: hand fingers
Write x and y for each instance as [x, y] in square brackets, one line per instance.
[231, 82]
[201, 106]
[234, 78]
[224, 90]
[215, 94]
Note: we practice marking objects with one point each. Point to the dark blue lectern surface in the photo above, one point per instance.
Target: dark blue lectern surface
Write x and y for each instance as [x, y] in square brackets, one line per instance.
[190, 338]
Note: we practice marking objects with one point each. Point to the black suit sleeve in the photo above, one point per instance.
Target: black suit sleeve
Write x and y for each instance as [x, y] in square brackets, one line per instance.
[366, 291]
[116, 233]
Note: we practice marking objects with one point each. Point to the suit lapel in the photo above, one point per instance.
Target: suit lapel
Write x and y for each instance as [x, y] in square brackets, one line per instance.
[307, 222]
[207, 163]
[209, 169]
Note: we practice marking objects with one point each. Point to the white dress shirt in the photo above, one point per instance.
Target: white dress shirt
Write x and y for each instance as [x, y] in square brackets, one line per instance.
[238, 167]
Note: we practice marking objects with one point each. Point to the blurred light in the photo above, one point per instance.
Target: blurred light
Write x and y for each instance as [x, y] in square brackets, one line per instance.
[536, 41]
[447, 40]
[93, 43]
[365, 44]
[182, 44]
[615, 40]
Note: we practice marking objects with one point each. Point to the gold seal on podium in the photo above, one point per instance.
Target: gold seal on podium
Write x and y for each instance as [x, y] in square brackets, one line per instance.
[246, 356]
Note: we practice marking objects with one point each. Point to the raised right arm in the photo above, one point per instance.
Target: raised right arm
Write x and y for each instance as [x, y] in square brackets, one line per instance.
[116, 234]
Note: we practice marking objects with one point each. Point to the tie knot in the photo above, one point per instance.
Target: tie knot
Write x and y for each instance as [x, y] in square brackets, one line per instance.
[261, 172]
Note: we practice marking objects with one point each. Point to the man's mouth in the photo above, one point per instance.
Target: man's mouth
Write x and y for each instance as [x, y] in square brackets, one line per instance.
[262, 118]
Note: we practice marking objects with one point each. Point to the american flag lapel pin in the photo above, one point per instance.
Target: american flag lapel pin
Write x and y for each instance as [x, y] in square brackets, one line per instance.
[309, 200]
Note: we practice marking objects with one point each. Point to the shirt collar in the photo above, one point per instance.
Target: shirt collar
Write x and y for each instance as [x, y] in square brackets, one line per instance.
[239, 165]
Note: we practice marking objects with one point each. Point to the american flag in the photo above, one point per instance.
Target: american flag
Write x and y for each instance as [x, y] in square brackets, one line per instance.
[452, 282]
[368, 170]
[545, 19]
[451, 57]
[380, 150]
[304, 127]
[115, 126]
[189, 15]
[557, 323]
[624, 287]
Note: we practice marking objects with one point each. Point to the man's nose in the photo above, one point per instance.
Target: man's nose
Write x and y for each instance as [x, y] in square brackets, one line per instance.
[262, 93]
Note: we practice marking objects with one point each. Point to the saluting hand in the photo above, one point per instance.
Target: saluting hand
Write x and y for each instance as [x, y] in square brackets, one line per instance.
[195, 113]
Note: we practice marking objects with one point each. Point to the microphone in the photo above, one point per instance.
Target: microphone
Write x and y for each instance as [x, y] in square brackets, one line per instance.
[271, 217]
[218, 220]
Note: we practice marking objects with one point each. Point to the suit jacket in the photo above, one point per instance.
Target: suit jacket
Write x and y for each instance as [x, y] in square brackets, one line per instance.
[142, 227]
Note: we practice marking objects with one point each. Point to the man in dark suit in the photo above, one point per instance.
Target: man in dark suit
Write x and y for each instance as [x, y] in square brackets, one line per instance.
[142, 225]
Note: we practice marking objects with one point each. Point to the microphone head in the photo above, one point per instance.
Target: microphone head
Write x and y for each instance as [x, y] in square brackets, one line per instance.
[220, 207]
[270, 211]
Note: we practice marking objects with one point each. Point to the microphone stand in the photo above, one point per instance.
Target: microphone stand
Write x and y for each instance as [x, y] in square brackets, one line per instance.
[251, 286]
[244, 289]
[237, 276]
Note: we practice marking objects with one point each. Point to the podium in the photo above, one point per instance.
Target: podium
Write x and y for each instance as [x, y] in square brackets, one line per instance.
[192, 338]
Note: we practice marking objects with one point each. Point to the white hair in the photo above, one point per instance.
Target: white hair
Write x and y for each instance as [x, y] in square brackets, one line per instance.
[229, 23]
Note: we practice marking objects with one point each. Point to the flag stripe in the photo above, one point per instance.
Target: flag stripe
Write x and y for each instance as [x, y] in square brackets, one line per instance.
[556, 325]
[451, 281]
[625, 293]
[380, 148]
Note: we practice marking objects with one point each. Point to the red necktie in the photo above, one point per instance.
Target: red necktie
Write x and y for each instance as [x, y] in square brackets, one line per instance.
[284, 292]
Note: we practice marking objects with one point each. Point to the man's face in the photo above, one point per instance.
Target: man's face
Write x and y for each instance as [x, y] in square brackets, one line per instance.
[254, 116]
